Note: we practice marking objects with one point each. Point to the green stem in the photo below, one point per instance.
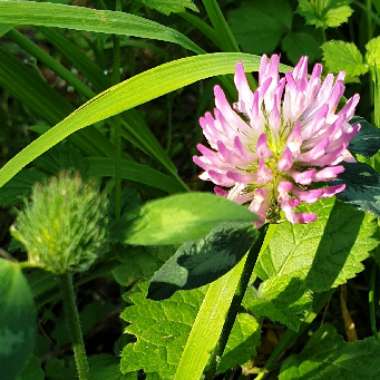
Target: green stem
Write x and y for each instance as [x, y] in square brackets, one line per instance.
[371, 300]
[116, 135]
[203, 27]
[324, 38]
[242, 287]
[237, 299]
[74, 327]
[369, 19]
[220, 25]
[369, 12]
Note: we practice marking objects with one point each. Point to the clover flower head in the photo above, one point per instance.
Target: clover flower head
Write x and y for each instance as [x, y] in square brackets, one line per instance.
[64, 224]
[280, 145]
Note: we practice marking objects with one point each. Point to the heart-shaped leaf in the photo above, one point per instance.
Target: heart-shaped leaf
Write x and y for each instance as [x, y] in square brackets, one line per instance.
[367, 141]
[200, 262]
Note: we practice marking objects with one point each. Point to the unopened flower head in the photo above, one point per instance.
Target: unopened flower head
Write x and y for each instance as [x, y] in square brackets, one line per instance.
[64, 226]
[279, 146]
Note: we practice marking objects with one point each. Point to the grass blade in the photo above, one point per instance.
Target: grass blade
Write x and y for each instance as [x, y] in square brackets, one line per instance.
[133, 171]
[90, 20]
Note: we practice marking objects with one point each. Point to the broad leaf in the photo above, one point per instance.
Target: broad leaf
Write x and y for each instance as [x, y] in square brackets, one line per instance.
[201, 262]
[135, 91]
[161, 330]
[17, 320]
[344, 56]
[328, 356]
[362, 187]
[19, 12]
[297, 44]
[170, 6]
[183, 217]
[325, 13]
[373, 51]
[367, 141]
[301, 260]
[259, 25]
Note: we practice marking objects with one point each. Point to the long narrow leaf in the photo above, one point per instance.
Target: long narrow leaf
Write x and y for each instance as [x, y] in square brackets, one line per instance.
[208, 325]
[18, 12]
[135, 91]
[131, 170]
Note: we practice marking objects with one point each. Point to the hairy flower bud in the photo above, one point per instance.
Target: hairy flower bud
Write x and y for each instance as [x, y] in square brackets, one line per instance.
[278, 146]
[64, 226]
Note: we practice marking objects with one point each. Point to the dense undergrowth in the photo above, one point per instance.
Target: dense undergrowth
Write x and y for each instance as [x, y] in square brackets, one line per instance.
[104, 97]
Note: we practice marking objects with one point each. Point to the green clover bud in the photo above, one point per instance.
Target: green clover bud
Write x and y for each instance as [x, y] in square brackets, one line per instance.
[64, 226]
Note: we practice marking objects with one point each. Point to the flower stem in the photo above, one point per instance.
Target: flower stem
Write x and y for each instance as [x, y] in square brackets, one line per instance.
[74, 327]
[237, 300]
[242, 287]
[371, 300]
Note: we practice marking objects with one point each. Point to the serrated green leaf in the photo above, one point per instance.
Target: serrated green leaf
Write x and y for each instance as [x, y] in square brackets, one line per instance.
[170, 6]
[297, 44]
[161, 329]
[362, 187]
[259, 25]
[183, 217]
[283, 299]
[367, 141]
[373, 52]
[135, 91]
[325, 13]
[201, 262]
[17, 320]
[19, 12]
[328, 356]
[344, 56]
[242, 342]
[305, 259]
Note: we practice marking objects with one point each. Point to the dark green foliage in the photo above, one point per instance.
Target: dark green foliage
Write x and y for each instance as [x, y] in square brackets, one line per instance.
[54, 58]
[362, 187]
[17, 321]
[328, 356]
[367, 141]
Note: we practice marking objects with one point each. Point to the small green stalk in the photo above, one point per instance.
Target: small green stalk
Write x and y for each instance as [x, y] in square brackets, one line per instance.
[369, 19]
[237, 299]
[116, 136]
[371, 300]
[74, 327]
